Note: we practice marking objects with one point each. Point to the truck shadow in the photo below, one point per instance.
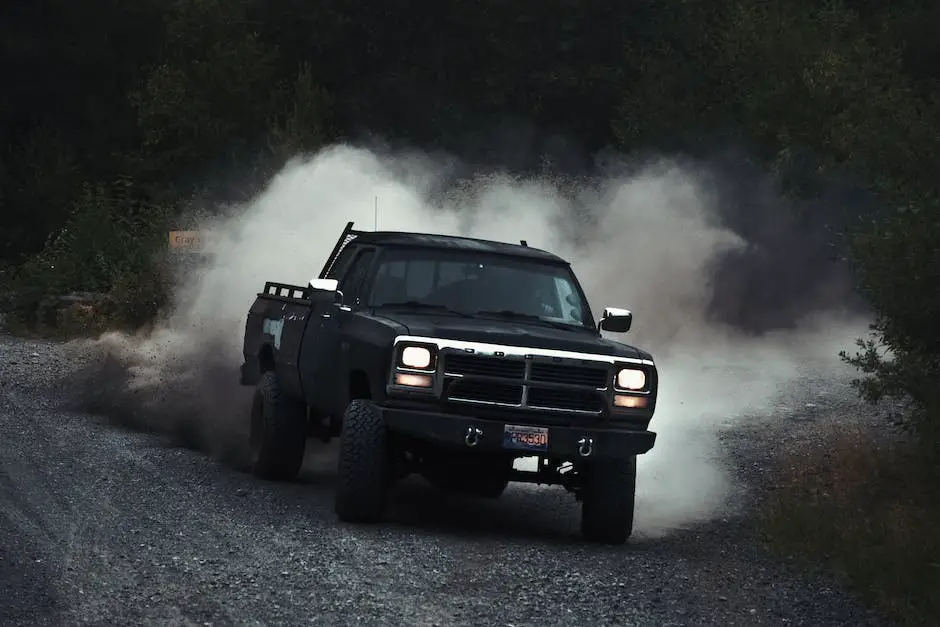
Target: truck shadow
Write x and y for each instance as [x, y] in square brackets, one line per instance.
[523, 512]
[547, 515]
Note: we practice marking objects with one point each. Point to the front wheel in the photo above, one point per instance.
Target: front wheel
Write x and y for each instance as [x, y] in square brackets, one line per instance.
[608, 497]
[364, 470]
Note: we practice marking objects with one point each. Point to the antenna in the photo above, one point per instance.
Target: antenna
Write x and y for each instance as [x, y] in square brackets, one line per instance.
[375, 215]
[523, 242]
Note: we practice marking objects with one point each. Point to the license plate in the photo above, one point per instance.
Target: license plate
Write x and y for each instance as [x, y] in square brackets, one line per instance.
[525, 438]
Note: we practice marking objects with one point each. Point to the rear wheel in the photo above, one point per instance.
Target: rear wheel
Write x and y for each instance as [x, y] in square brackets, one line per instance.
[608, 497]
[278, 431]
[364, 473]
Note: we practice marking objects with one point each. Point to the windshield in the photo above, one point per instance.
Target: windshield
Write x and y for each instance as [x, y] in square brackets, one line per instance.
[479, 284]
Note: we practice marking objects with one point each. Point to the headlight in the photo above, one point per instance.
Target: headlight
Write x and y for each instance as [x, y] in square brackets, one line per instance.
[417, 357]
[631, 379]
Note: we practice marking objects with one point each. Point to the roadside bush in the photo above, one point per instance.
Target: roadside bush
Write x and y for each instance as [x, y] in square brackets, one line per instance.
[110, 243]
[80, 320]
[869, 509]
[137, 299]
[898, 264]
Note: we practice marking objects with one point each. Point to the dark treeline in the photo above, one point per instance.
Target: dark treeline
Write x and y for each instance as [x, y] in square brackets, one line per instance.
[115, 115]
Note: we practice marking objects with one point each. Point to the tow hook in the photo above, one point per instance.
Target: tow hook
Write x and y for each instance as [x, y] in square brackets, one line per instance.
[473, 436]
[585, 447]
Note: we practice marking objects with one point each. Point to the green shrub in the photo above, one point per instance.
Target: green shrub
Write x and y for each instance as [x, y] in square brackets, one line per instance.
[898, 265]
[110, 242]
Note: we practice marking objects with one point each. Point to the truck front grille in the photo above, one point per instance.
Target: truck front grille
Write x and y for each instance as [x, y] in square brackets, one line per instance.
[475, 366]
[571, 400]
[469, 391]
[523, 384]
[588, 376]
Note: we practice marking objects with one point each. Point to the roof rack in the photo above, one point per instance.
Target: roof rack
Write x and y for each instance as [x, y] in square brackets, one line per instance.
[345, 237]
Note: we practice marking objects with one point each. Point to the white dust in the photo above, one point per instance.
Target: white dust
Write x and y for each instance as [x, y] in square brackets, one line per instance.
[645, 244]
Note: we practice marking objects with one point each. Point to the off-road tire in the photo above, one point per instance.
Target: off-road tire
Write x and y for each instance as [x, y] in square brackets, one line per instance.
[608, 497]
[278, 431]
[364, 471]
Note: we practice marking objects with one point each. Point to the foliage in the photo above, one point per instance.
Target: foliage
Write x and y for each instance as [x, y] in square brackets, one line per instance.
[833, 81]
[109, 237]
[899, 264]
[868, 508]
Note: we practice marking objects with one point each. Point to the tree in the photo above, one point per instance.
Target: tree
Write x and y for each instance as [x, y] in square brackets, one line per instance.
[206, 104]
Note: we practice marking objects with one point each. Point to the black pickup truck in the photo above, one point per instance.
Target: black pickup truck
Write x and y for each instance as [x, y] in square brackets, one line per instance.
[449, 357]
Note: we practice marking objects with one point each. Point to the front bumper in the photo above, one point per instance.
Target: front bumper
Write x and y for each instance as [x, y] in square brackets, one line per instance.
[487, 435]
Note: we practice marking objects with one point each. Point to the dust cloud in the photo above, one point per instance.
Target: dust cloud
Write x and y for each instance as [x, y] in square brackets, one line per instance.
[647, 238]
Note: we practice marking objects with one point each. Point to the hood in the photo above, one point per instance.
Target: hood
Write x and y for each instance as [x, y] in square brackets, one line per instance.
[508, 332]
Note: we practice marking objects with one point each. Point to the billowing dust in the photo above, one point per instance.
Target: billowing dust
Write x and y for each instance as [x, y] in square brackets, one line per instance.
[649, 238]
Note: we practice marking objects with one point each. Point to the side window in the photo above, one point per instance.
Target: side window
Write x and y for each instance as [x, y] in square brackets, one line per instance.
[352, 283]
[338, 269]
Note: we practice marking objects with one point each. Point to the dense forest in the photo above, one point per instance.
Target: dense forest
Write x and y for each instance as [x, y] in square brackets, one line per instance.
[116, 115]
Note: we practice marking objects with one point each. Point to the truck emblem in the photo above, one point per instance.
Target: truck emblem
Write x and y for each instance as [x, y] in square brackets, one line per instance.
[274, 328]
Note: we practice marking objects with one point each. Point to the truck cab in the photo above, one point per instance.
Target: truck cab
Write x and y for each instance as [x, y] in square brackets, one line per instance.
[449, 357]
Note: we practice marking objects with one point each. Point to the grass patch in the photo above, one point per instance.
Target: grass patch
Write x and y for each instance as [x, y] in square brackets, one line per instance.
[868, 509]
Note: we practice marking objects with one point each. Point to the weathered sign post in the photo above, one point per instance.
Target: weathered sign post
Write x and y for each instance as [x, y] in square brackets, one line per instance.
[190, 249]
[188, 241]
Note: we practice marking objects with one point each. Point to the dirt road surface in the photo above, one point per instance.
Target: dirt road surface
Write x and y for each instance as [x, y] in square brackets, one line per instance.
[104, 526]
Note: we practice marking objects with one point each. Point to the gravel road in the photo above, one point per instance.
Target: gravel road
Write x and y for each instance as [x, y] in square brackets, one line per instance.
[104, 526]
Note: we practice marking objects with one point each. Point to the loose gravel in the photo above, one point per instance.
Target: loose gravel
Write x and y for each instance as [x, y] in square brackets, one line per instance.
[104, 526]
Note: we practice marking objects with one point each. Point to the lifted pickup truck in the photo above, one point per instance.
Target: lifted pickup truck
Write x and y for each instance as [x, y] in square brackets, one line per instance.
[449, 357]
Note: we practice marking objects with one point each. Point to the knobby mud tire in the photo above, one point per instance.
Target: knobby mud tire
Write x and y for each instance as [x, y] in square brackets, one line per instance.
[364, 471]
[278, 432]
[608, 499]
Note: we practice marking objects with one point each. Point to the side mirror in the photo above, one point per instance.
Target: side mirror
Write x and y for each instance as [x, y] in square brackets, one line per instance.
[327, 285]
[616, 320]
[324, 285]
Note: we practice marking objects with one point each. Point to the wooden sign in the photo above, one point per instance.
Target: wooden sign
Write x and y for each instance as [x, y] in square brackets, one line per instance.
[188, 241]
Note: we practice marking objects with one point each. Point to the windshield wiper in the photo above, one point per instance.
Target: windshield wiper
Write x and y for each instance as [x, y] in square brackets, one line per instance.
[518, 315]
[415, 304]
